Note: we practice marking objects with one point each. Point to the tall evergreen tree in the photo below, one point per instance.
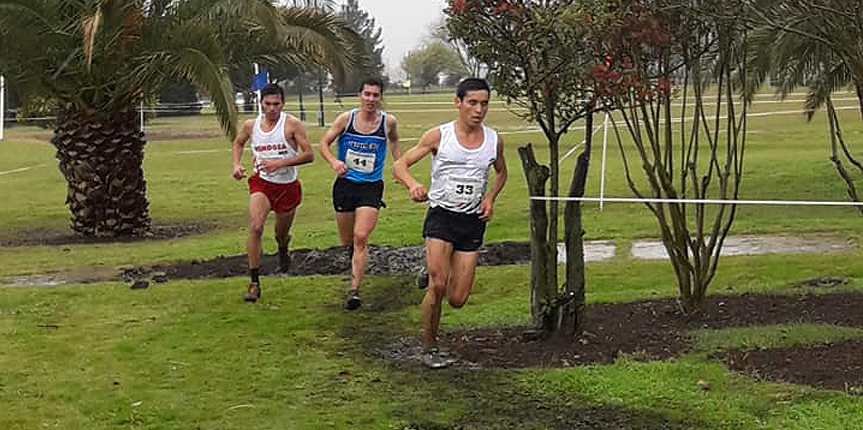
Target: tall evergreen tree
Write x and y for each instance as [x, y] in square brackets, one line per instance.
[360, 21]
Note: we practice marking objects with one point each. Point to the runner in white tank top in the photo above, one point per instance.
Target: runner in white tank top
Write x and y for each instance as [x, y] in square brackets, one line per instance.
[279, 145]
[273, 145]
[459, 175]
[459, 205]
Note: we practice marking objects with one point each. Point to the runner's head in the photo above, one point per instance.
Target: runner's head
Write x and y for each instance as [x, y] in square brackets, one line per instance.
[471, 99]
[370, 94]
[272, 100]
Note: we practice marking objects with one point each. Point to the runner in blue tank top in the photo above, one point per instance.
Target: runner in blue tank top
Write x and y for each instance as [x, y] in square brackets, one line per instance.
[362, 135]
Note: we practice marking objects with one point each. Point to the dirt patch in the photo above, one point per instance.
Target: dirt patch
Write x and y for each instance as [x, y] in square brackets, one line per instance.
[837, 366]
[656, 330]
[823, 282]
[55, 238]
[648, 330]
[383, 260]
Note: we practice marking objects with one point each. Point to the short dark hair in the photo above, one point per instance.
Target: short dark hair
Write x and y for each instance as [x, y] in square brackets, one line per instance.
[273, 89]
[470, 84]
[371, 81]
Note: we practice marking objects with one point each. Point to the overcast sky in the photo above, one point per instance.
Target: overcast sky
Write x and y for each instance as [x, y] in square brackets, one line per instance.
[404, 23]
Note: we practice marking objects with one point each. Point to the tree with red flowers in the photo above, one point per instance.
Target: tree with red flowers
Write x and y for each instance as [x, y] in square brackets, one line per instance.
[539, 55]
[676, 70]
[562, 60]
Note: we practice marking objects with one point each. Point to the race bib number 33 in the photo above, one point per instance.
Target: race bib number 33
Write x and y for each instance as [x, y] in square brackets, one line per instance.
[362, 162]
[463, 190]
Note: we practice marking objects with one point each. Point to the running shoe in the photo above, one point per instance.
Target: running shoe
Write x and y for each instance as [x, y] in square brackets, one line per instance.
[423, 279]
[353, 300]
[433, 359]
[254, 292]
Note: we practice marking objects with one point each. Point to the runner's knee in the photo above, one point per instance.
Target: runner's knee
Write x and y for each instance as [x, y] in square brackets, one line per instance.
[457, 302]
[361, 240]
[438, 281]
[256, 228]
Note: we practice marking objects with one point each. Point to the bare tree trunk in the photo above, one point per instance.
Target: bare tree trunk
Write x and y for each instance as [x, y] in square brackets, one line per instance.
[836, 140]
[101, 158]
[542, 294]
[571, 302]
[859, 87]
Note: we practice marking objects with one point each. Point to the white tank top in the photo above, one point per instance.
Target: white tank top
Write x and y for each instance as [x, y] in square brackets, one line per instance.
[272, 145]
[459, 175]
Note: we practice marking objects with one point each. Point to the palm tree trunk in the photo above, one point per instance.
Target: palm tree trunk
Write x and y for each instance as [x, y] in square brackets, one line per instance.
[100, 157]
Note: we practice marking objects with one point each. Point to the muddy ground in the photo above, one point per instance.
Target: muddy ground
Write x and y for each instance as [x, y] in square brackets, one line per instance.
[383, 260]
[656, 330]
[644, 330]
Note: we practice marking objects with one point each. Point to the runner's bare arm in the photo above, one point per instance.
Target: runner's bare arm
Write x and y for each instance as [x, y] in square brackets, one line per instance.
[238, 172]
[500, 174]
[329, 137]
[304, 148]
[428, 142]
[393, 136]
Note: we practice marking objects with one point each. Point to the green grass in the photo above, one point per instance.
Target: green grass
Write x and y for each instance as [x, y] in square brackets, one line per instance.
[188, 354]
[775, 336]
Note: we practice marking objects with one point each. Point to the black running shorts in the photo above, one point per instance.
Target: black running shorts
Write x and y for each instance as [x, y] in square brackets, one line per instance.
[349, 195]
[463, 231]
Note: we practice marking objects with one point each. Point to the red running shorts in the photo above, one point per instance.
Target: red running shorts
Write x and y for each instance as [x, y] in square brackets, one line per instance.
[282, 197]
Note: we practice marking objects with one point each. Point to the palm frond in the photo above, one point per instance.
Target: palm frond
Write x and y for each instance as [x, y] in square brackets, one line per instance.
[89, 28]
[823, 85]
[325, 39]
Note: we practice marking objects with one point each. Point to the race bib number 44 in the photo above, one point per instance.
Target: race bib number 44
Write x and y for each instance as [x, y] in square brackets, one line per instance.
[362, 162]
[463, 190]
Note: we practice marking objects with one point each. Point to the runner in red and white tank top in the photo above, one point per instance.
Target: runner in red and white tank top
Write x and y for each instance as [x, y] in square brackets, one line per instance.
[273, 145]
[279, 145]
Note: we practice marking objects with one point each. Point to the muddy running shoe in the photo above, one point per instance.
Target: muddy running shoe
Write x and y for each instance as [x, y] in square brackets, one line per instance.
[423, 279]
[353, 300]
[433, 359]
[254, 292]
[447, 356]
[284, 262]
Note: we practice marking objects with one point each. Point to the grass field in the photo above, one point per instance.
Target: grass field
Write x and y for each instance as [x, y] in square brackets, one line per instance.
[188, 354]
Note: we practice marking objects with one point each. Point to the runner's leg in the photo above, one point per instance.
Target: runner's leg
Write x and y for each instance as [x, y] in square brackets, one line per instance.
[345, 223]
[259, 207]
[462, 270]
[284, 220]
[438, 257]
[365, 219]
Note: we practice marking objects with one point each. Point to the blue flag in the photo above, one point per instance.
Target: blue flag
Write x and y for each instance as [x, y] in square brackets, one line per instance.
[259, 81]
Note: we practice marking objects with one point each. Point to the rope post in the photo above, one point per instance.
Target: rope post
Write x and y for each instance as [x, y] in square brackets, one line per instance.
[258, 92]
[602, 169]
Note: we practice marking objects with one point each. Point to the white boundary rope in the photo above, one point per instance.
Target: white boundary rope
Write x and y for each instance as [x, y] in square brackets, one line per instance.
[22, 169]
[700, 201]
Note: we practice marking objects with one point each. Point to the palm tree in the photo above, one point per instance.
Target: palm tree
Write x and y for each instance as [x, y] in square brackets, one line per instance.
[99, 58]
[817, 44]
